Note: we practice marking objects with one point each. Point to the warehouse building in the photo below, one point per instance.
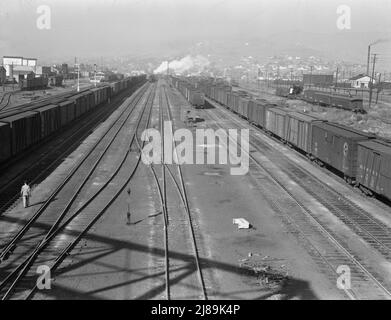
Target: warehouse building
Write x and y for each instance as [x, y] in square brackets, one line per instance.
[9, 61]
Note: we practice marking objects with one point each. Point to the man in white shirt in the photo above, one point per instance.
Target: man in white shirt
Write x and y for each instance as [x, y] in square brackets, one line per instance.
[26, 193]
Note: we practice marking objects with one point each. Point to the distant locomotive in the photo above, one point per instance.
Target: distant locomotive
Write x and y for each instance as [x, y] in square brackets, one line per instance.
[289, 92]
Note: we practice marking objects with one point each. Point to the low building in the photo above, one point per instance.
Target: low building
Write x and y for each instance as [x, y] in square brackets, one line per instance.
[3, 75]
[9, 61]
[22, 72]
[361, 81]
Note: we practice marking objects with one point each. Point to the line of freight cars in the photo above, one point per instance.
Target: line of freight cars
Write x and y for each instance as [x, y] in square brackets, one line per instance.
[20, 131]
[362, 158]
[322, 98]
[191, 92]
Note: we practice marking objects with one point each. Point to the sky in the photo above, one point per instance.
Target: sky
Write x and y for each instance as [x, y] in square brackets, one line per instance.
[153, 27]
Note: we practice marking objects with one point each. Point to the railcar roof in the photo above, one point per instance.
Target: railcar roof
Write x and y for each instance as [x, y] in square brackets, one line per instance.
[377, 145]
[18, 116]
[50, 106]
[303, 116]
[343, 130]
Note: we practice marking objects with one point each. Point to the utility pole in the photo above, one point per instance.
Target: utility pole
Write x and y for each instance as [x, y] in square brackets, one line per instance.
[371, 82]
[368, 59]
[291, 75]
[336, 78]
[378, 88]
[311, 76]
[95, 74]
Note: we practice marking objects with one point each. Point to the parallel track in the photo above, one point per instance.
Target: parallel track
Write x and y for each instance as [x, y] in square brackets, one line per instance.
[22, 279]
[5, 100]
[90, 161]
[9, 192]
[324, 245]
[178, 183]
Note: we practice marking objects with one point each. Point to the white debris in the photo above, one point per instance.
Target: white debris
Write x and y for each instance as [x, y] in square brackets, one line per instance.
[242, 223]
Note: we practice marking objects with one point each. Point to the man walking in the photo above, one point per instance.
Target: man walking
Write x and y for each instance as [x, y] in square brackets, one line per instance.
[26, 193]
[128, 213]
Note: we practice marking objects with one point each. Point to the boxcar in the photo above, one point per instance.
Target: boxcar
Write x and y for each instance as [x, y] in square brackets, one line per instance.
[276, 122]
[25, 130]
[299, 130]
[5, 139]
[50, 119]
[374, 167]
[336, 146]
[243, 106]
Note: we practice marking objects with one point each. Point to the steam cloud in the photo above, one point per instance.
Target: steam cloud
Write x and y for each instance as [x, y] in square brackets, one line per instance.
[189, 63]
[379, 41]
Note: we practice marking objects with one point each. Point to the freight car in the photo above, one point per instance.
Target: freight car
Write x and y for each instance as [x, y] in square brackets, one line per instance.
[336, 146]
[361, 158]
[22, 129]
[354, 104]
[34, 83]
[374, 167]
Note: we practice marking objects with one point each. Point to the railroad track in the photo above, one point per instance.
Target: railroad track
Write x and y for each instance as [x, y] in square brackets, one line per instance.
[5, 112]
[9, 191]
[374, 232]
[173, 218]
[5, 100]
[327, 248]
[68, 228]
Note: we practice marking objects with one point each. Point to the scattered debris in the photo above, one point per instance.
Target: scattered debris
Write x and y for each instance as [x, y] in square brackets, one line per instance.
[242, 223]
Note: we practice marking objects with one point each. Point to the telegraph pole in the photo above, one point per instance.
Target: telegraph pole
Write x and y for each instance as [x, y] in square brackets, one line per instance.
[371, 82]
[311, 76]
[378, 88]
[95, 74]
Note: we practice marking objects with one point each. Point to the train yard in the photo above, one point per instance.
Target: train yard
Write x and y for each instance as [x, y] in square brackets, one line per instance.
[107, 225]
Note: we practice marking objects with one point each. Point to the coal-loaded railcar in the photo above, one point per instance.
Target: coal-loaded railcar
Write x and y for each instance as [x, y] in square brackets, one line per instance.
[299, 131]
[354, 104]
[374, 167]
[25, 130]
[50, 119]
[22, 129]
[67, 110]
[337, 146]
[5, 141]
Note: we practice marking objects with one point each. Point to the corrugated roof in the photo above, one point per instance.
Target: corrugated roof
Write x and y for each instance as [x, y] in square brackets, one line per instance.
[302, 116]
[343, 130]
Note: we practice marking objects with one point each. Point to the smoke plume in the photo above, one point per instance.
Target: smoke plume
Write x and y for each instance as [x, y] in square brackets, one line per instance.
[189, 63]
[379, 41]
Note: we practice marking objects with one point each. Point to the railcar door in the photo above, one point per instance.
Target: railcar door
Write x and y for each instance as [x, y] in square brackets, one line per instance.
[375, 170]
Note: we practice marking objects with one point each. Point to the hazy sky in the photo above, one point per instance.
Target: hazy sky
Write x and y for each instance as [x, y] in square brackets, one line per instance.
[101, 27]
